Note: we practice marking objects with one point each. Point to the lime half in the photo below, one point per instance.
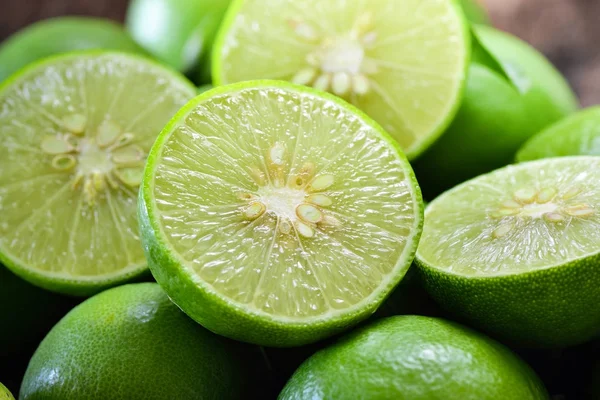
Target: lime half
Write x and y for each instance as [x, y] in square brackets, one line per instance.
[517, 251]
[576, 135]
[275, 214]
[75, 133]
[402, 62]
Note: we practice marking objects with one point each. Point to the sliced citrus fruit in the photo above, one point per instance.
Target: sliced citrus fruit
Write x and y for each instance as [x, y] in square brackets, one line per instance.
[75, 133]
[517, 251]
[576, 135]
[275, 214]
[61, 35]
[403, 63]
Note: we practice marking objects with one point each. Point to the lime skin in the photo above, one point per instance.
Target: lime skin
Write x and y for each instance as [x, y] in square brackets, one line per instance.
[475, 12]
[5, 394]
[413, 357]
[132, 342]
[550, 308]
[62, 35]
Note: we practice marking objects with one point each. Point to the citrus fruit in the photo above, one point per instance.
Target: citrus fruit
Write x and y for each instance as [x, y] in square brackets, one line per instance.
[61, 35]
[132, 342]
[27, 314]
[177, 32]
[475, 11]
[403, 63]
[5, 393]
[413, 357]
[512, 93]
[276, 214]
[75, 132]
[578, 134]
[517, 251]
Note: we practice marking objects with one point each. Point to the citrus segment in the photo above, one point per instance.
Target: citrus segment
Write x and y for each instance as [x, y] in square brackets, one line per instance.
[403, 63]
[288, 210]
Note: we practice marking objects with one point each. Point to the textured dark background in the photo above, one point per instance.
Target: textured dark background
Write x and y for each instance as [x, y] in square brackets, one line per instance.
[567, 31]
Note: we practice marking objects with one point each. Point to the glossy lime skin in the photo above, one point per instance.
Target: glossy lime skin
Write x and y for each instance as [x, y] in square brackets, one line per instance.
[177, 32]
[475, 12]
[507, 100]
[62, 35]
[550, 308]
[414, 358]
[576, 135]
[132, 343]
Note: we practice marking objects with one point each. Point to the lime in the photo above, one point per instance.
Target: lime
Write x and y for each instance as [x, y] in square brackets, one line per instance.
[517, 251]
[5, 393]
[475, 11]
[412, 357]
[403, 63]
[75, 133]
[578, 134]
[512, 93]
[276, 214]
[131, 343]
[61, 35]
[178, 32]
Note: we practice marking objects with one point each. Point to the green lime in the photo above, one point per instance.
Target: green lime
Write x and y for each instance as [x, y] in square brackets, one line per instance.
[61, 35]
[5, 393]
[131, 343]
[403, 63]
[276, 214]
[75, 131]
[475, 11]
[578, 134]
[516, 252]
[180, 33]
[412, 357]
[512, 93]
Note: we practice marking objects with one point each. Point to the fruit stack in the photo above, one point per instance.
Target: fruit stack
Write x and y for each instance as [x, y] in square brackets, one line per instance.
[266, 236]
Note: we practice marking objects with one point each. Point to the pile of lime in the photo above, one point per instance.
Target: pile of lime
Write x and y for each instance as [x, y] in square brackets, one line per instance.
[218, 233]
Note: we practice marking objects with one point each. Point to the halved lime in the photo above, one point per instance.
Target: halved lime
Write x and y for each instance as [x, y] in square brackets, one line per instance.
[402, 62]
[576, 135]
[61, 35]
[75, 133]
[276, 214]
[517, 251]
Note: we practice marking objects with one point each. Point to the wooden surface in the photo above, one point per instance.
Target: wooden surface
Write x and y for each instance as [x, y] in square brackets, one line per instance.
[567, 31]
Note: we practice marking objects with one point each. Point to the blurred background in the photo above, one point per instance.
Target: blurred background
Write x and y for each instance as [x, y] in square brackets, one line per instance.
[567, 31]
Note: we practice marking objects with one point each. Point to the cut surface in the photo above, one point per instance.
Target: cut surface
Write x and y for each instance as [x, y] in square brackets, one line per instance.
[403, 63]
[518, 219]
[283, 203]
[576, 135]
[75, 134]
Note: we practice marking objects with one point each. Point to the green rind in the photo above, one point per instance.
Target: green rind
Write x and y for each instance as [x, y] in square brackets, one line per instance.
[551, 142]
[475, 12]
[235, 7]
[133, 343]
[412, 357]
[60, 35]
[555, 307]
[217, 314]
[59, 283]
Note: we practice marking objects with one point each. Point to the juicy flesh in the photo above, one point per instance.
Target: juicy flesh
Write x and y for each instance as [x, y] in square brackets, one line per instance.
[74, 139]
[284, 202]
[402, 62]
[522, 218]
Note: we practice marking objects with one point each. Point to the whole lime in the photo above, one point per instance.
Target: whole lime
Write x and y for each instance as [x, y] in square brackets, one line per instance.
[177, 32]
[412, 357]
[512, 93]
[132, 343]
[61, 35]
